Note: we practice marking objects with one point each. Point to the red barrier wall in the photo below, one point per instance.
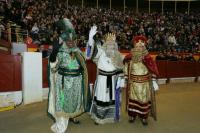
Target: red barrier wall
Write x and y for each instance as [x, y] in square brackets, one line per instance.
[176, 69]
[10, 73]
[44, 73]
[162, 68]
[181, 69]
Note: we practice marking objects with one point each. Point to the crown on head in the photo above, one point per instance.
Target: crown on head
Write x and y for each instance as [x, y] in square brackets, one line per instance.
[110, 37]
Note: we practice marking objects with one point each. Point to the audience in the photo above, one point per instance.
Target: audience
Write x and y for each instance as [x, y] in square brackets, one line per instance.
[178, 32]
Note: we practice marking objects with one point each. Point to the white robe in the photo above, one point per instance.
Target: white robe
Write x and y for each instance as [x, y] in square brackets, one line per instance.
[104, 63]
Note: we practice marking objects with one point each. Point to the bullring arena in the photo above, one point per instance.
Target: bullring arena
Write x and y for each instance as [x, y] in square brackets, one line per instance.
[26, 35]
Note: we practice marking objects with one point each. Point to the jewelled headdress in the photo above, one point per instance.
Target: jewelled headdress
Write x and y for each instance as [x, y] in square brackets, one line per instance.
[110, 37]
[68, 32]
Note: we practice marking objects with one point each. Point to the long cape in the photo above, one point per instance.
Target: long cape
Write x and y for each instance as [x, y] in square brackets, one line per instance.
[52, 78]
[150, 64]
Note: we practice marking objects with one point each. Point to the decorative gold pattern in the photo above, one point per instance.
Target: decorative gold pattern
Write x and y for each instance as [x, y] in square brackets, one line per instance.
[140, 78]
[110, 37]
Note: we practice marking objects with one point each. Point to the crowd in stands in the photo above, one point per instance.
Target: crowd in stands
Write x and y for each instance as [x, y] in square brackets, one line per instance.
[168, 33]
[171, 56]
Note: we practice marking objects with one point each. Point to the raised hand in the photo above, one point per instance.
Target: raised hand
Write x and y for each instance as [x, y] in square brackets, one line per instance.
[92, 32]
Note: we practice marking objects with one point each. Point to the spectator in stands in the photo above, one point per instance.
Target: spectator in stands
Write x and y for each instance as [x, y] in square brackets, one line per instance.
[172, 40]
[198, 60]
[179, 57]
[189, 57]
[35, 31]
[198, 48]
[43, 51]
[160, 56]
[184, 28]
[2, 9]
[50, 49]
[2, 29]
[173, 57]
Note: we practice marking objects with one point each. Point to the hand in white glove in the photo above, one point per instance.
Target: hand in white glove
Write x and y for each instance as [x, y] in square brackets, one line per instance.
[93, 31]
[155, 84]
[60, 40]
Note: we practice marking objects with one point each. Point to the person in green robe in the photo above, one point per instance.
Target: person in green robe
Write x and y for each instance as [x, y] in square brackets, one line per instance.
[68, 79]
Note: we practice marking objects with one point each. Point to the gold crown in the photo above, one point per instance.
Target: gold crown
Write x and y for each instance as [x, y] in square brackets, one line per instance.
[110, 37]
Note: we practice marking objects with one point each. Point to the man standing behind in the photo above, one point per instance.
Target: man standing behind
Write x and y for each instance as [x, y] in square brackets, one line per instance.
[68, 79]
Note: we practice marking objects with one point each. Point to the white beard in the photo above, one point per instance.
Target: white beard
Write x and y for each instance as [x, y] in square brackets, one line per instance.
[110, 53]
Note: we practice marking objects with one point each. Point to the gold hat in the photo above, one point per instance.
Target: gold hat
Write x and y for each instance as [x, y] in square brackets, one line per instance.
[110, 37]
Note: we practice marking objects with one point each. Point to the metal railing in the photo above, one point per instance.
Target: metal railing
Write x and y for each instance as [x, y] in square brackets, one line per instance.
[13, 32]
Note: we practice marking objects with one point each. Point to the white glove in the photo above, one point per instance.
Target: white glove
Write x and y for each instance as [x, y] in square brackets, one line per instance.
[155, 85]
[60, 40]
[93, 31]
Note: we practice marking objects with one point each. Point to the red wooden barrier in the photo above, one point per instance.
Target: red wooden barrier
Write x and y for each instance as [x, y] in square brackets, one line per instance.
[10, 73]
[167, 69]
[181, 69]
[91, 71]
[162, 68]
[198, 69]
[44, 73]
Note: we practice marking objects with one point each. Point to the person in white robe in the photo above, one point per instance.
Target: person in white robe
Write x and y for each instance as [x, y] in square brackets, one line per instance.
[105, 106]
